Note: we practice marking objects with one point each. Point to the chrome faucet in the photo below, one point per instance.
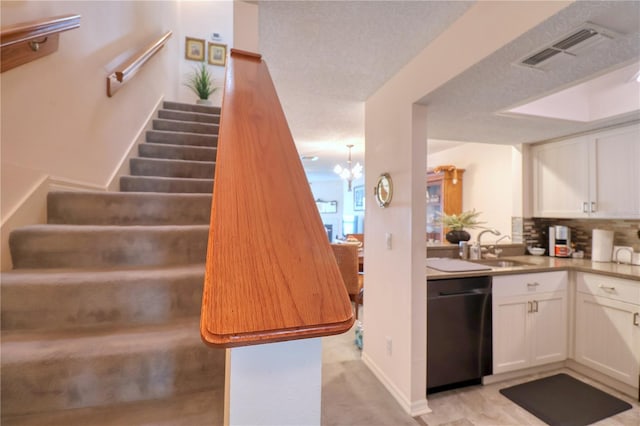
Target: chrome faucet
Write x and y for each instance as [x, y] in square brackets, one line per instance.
[623, 248]
[479, 239]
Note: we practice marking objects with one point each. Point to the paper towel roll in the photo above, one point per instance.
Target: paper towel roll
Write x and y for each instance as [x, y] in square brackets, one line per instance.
[602, 246]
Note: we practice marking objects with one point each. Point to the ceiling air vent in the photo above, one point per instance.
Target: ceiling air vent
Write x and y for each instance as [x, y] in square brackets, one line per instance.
[575, 38]
[534, 60]
[574, 43]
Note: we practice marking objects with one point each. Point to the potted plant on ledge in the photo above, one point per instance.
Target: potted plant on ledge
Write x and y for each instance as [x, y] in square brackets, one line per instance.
[456, 223]
[201, 82]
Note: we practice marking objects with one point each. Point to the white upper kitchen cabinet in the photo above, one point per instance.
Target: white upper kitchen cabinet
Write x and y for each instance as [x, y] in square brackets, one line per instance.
[595, 175]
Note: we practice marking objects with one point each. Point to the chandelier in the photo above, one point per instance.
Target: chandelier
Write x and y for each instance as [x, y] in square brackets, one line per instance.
[350, 172]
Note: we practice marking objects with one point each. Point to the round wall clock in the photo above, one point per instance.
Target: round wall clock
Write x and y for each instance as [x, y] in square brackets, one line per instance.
[384, 190]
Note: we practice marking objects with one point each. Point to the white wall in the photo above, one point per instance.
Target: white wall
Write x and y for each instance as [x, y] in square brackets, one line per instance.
[395, 303]
[487, 184]
[57, 121]
[330, 191]
[200, 19]
[337, 190]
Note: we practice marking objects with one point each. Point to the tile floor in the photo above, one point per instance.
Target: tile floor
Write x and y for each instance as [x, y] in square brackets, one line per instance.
[351, 395]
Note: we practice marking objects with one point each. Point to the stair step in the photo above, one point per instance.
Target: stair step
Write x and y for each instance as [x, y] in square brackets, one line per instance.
[181, 138]
[163, 184]
[127, 208]
[57, 371]
[185, 126]
[172, 168]
[191, 107]
[89, 246]
[177, 152]
[56, 300]
[200, 408]
[169, 114]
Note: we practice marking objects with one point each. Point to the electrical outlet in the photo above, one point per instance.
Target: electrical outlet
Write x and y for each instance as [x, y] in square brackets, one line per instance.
[389, 345]
[388, 240]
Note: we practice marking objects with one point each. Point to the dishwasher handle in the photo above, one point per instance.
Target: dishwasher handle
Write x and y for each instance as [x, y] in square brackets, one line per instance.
[474, 291]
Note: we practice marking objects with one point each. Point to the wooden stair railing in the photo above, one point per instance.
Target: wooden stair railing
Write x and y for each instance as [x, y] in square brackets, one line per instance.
[127, 70]
[27, 41]
[270, 273]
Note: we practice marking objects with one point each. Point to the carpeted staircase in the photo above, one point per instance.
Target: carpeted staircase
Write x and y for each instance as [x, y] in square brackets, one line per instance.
[100, 314]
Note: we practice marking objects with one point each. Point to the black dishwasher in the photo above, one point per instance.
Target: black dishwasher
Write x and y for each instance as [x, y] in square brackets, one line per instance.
[459, 349]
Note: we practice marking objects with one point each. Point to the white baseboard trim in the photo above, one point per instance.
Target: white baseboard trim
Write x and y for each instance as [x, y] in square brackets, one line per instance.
[63, 184]
[604, 379]
[113, 183]
[500, 377]
[415, 408]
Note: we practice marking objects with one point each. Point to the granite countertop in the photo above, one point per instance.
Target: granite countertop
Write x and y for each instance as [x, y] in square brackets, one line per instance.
[545, 264]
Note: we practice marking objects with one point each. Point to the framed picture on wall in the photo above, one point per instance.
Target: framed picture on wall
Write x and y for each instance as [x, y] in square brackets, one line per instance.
[217, 54]
[358, 198]
[194, 49]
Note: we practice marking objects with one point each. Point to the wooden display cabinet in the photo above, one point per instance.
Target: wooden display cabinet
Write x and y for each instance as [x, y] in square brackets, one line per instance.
[443, 196]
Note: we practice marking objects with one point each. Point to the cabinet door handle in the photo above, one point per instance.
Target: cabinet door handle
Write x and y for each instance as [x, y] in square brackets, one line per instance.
[636, 318]
[533, 284]
[535, 304]
[607, 287]
[585, 207]
[593, 207]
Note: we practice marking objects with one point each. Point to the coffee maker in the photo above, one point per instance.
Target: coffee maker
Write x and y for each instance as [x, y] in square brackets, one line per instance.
[562, 241]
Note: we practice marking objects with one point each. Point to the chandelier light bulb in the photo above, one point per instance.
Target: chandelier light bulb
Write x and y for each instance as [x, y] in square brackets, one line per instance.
[350, 172]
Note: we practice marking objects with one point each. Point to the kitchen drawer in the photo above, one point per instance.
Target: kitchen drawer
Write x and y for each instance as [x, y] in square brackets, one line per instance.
[609, 287]
[529, 284]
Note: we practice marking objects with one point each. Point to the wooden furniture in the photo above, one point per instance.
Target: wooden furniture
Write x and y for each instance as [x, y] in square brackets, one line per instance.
[127, 70]
[591, 176]
[28, 41]
[443, 196]
[348, 263]
[359, 237]
[608, 326]
[529, 320]
[270, 274]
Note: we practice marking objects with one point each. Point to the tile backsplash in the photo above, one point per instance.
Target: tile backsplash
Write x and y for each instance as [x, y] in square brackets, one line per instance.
[535, 231]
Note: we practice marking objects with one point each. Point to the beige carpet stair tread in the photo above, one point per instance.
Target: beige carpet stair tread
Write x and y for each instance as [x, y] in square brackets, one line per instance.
[189, 116]
[182, 138]
[172, 168]
[128, 208]
[181, 106]
[94, 246]
[100, 315]
[185, 126]
[195, 409]
[36, 346]
[180, 152]
[60, 300]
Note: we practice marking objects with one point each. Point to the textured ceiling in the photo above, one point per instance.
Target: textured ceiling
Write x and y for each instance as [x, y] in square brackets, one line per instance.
[327, 57]
[464, 109]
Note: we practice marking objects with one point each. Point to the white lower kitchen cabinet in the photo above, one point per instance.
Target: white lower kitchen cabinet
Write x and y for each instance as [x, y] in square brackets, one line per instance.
[608, 326]
[529, 320]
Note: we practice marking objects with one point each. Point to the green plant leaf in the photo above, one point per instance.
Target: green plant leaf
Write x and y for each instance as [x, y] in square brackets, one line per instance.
[201, 82]
[468, 219]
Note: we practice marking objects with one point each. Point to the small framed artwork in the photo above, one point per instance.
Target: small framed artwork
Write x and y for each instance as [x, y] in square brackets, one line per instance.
[358, 198]
[217, 54]
[194, 49]
[327, 206]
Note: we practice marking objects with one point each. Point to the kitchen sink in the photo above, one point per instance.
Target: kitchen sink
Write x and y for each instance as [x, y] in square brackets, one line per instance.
[501, 263]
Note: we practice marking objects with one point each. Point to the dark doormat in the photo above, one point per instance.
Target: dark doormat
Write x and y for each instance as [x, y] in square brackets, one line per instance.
[561, 400]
